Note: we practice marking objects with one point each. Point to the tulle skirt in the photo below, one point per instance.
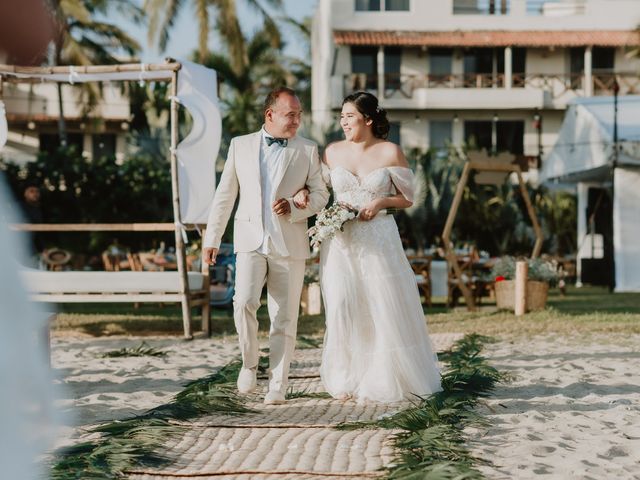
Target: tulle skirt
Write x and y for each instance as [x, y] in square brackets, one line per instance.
[376, 345]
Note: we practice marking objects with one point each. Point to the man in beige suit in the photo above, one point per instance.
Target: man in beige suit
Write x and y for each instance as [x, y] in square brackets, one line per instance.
[265, 170]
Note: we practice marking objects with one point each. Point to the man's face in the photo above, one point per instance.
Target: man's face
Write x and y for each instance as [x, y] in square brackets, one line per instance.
[283, 119]
[32, 195]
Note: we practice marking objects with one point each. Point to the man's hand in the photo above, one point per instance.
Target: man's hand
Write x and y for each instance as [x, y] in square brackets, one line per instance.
[301, 199]
[209, 255]
[281, 207]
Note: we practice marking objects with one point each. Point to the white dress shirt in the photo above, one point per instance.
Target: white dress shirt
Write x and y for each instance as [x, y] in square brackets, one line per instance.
[271, 162]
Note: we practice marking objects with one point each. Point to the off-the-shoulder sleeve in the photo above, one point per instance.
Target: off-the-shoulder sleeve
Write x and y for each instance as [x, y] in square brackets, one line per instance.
[326, 173]
[403, 180]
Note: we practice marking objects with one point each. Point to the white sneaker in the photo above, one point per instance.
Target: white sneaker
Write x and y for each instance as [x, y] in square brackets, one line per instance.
[273, 397]
[247, 380]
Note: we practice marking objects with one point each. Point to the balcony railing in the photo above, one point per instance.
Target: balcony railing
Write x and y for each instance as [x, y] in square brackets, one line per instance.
[404, 85]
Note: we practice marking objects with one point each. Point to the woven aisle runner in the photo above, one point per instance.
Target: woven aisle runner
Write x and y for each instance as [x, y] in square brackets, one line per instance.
[296, 440]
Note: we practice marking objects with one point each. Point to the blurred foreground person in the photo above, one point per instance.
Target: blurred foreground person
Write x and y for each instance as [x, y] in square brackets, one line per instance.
[26, 401]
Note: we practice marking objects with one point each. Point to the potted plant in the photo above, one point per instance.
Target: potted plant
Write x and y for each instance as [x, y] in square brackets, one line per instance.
[542, 273]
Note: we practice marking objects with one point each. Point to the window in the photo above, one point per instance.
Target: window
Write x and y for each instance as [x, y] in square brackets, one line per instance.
[440, 61]
[394, 132]
[576, 60]
[603, 62]
[518, 60]
[509, 136]
[364, 66]
[397, 5]
[104, 146]
[603, 59]
[477, 135]
[478, 60]
[367, 5]
[392, 62]
[479, 67]
[440, 134]
[556, 8]
[379, 5]
[481, 7]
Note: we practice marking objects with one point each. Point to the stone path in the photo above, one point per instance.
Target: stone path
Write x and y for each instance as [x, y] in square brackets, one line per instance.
[292, 441]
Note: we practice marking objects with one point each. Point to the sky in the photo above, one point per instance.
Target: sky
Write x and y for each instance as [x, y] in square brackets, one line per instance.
[184, 36]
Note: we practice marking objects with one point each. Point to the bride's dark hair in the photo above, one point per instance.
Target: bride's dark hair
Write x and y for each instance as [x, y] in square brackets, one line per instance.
[367, 105]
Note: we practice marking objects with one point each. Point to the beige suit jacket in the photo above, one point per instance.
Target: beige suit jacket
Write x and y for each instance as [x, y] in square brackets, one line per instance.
[241, 180]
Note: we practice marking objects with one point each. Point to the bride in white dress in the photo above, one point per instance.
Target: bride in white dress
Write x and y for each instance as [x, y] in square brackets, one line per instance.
[376, 345]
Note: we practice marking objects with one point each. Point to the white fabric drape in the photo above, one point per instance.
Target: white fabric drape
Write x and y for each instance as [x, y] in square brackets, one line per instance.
[197, 153]
[403, 179]
[3, 126]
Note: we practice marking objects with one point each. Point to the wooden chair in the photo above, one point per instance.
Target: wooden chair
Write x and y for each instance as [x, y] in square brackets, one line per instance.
[115, 263]
[472, 278]
[134, 262]
[453, 282]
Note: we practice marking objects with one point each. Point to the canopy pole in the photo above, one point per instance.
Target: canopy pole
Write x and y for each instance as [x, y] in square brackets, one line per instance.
[180, 249]
[88, 69]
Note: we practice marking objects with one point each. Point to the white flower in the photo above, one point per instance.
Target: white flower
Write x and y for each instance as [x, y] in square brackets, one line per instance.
[330, 221]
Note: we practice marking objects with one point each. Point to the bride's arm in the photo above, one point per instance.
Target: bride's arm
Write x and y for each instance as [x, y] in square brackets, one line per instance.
[371, 209]
[402, 178]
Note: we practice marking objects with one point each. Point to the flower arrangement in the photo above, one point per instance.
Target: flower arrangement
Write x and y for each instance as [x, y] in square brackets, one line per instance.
[539, 270]
[329, 221]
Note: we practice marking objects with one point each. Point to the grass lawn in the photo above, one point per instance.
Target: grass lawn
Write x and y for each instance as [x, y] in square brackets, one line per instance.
[587, 309]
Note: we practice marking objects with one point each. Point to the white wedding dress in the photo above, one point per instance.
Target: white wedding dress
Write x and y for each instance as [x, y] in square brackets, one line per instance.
[376, 345]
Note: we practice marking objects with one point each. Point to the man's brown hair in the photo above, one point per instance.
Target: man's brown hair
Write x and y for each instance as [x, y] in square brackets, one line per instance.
[272, 97]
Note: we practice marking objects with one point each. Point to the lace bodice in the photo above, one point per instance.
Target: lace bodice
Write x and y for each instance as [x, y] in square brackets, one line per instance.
[381, 182]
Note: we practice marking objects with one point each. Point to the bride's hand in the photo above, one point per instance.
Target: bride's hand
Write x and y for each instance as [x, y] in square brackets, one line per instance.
[301, 198]
[369, 211]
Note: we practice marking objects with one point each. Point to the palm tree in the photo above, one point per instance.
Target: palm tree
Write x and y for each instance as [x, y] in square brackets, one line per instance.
[82, 40]
[256, 71]
[163, 13]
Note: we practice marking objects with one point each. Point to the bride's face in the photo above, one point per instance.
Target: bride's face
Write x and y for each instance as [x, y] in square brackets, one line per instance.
[353, 123]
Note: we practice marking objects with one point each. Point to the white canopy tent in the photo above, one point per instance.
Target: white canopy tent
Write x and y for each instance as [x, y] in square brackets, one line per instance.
[585, 155]
[192, 160]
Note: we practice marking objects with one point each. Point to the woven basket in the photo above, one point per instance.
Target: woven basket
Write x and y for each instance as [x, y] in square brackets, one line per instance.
[536, 294]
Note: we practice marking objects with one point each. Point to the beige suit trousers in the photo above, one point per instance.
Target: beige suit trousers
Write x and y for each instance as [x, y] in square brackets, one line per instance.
[284, 278]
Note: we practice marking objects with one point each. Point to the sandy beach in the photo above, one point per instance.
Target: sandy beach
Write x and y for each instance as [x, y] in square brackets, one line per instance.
[92, 389]
[572, 410]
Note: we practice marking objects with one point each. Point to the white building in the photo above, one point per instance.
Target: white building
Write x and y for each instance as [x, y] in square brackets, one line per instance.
[33, 112]
[497, 73]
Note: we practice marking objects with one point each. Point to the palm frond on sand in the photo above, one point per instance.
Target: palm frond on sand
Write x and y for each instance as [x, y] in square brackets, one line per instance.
[142, 350]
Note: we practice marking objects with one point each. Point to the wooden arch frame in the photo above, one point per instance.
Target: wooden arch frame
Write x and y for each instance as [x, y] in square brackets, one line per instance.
[484, 165]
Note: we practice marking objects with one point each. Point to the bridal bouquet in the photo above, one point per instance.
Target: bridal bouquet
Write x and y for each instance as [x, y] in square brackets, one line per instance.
[329, 221]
